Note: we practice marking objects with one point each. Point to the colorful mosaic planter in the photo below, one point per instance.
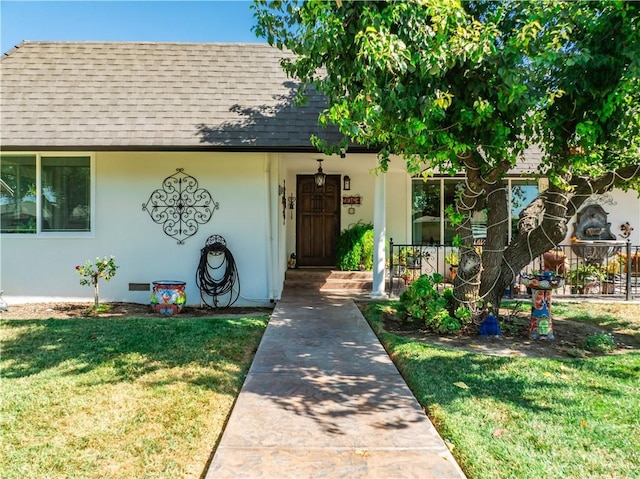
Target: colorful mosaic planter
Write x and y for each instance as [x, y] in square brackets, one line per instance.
[541, 323]
[168, 297]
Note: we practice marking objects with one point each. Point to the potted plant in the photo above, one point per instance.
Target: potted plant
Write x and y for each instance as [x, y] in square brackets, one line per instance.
[608, 285]
[612, 269]
[409, 257]
[584, 277]
[555, 260]
[453, 260]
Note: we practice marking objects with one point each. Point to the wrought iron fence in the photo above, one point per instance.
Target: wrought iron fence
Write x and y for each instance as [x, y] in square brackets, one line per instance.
[606, 269]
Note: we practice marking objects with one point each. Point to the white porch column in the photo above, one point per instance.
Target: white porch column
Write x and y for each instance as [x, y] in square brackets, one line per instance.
[379, 234]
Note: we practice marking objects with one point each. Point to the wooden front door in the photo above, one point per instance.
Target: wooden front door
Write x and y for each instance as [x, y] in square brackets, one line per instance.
[317, 221]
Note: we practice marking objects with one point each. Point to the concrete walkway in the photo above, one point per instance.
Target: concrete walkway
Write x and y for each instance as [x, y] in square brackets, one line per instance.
[323, 400]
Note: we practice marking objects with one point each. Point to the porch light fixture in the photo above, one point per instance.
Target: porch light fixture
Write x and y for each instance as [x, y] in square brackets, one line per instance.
[346, 183]
[320, 177]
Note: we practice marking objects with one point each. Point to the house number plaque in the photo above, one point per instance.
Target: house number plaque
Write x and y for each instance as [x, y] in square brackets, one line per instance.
[352, 200]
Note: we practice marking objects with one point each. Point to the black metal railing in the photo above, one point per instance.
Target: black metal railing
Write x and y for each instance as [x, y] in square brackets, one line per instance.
[606, 269]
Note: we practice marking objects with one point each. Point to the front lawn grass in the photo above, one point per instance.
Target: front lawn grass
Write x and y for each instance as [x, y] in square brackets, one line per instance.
[527, 417]
[622, 317]
[119, 398]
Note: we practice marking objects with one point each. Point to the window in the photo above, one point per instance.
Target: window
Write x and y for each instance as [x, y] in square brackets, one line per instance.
[45, 194]
[431, 226]
[426, 212]
[450, 188]
[66, 194]
[18, 194]
[523, 192]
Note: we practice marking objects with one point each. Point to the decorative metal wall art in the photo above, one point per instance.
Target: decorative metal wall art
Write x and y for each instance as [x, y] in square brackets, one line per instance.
[626, 229]
[292, 203]
[282, 190]
[180, 206]
[603, 199]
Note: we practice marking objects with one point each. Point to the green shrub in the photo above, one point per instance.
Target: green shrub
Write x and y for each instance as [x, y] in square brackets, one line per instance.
[367, 249]
[599, 343]
[422, 300]
[355, 247]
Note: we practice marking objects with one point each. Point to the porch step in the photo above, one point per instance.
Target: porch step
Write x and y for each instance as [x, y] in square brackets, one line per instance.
[323, 279]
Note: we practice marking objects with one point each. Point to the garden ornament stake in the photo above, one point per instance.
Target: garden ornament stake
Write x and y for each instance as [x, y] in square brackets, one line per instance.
[541, 324]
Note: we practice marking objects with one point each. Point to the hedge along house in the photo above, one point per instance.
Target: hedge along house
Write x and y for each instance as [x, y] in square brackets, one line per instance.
[95, 136]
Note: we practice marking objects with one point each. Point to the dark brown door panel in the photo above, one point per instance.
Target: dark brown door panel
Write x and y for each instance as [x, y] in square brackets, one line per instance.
[317, 221]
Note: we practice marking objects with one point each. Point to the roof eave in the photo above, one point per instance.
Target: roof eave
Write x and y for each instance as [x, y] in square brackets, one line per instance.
[159, 148]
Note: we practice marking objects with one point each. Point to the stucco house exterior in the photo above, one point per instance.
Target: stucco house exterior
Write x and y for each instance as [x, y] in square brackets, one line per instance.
[95, 135]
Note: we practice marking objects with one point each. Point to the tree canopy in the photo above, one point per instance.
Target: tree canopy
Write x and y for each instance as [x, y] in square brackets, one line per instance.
[466, 87]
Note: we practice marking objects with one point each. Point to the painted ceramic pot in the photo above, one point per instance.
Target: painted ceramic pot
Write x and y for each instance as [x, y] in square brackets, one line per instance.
[168, 297]
[546, 280]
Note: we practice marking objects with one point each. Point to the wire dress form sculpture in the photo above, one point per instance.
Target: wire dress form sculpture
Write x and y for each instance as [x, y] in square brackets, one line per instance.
[217, 274]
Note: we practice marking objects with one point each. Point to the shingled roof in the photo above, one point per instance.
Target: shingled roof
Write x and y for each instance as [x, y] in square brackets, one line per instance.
[79, 95]
[158, 96]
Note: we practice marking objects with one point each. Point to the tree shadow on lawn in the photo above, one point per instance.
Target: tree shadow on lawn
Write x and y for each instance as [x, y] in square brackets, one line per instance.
[446, 376]
[131, 347]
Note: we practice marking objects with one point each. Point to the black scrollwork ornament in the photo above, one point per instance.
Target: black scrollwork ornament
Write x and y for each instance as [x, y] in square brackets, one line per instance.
[284, 202]
[180, 206]
[626, 230]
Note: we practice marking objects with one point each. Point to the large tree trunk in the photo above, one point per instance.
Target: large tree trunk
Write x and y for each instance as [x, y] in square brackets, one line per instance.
[480, 265]
[491, 284]
[542, 226]
[467, 282]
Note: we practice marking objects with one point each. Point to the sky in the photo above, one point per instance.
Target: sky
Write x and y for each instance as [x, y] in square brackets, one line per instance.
[147, 20]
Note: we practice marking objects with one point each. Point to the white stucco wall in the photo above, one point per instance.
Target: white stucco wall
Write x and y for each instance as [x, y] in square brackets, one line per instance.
[622, 207]
[42, 267]
[35, 268]
[398, 207]
[359, 167]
